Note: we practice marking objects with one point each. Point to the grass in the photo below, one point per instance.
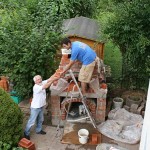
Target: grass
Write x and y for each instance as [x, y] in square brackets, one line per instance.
[113, 58]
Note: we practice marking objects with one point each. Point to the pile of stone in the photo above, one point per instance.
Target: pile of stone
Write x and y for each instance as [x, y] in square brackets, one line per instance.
[135, 104]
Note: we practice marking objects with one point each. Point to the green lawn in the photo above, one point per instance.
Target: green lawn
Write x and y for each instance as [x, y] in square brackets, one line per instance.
[113, 58]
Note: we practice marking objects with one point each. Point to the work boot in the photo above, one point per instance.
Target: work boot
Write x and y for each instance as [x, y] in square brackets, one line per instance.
[26, 136]
[41, 132]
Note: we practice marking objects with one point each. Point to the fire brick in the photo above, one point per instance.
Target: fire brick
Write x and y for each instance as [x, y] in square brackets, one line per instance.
[90, 105]
[25, 143]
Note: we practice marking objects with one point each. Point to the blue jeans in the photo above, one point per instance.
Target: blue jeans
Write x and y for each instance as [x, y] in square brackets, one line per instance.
[36, 115]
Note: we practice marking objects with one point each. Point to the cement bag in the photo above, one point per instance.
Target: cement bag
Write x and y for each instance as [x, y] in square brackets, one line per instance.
[61, 86]
[105, 146]
[130, 134]
[126, 117]
[94, 84]
[110, 127]
[122, 126]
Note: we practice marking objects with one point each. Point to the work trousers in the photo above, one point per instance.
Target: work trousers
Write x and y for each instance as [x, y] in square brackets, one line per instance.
[36, 116]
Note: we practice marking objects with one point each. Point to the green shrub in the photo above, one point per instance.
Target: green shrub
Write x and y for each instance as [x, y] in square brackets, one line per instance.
[8, 146]
[11, 119]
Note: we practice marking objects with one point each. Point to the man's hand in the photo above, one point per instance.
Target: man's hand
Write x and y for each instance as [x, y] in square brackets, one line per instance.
[67, 68]
[50, 81]
[62, 74]
[54, 79]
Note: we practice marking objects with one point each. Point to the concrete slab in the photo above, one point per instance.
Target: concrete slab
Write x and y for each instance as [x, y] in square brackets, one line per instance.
[50, 142]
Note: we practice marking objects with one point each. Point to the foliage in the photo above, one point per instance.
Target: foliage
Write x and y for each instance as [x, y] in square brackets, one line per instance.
[29, 34]
[9, 146]
[113, 57]
[75, 8]
[29, 44]
[127, 25]
[11, 119]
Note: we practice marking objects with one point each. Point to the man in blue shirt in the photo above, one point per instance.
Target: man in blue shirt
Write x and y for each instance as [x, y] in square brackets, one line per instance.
[83, 53]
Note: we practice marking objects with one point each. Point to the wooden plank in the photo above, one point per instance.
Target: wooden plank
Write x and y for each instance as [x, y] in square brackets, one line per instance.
[70, 135]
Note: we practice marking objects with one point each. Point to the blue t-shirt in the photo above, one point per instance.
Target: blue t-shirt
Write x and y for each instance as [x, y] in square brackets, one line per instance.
[82, 52]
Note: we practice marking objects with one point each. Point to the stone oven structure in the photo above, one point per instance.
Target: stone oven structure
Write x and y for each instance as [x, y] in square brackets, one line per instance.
[64, 92]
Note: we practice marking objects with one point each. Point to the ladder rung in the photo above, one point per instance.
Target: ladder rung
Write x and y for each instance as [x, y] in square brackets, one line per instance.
[83, 100]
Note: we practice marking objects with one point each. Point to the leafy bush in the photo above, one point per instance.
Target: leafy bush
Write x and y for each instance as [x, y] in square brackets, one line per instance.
[9, 146]
[11, 119]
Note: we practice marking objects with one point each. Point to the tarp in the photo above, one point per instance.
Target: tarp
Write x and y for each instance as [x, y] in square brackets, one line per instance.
[122, 126]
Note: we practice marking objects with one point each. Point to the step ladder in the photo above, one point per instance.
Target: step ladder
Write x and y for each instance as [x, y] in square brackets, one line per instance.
[83, 99]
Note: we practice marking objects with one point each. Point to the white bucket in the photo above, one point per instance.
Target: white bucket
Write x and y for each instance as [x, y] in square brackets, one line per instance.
[83, 136]
[117, 102]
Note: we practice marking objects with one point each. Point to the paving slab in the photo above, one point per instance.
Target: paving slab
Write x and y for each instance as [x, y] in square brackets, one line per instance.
[50, 142]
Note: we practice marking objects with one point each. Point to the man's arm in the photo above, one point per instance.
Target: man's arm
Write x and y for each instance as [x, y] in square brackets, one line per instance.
[49, 82]
[67, 68]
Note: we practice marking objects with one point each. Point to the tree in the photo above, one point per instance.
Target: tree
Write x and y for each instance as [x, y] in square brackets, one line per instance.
[29, 44]
[30, 33]
[84, 8]
[127, 25]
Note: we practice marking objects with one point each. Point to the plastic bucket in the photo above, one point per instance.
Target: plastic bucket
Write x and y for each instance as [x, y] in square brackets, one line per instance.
[118, 102]
[83, 136]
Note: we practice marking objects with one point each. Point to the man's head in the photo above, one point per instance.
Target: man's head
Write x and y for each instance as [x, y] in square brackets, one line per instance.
[37, 79]
[66, 43]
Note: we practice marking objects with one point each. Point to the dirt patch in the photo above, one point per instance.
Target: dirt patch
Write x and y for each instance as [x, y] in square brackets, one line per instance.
[134, 93]
[123, 93]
